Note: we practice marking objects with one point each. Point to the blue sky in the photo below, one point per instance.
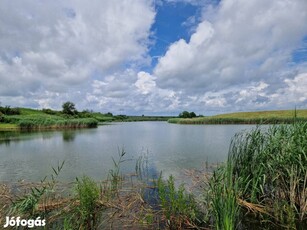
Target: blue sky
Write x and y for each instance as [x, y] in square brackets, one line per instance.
[173, 21]
[154, 57]
[300, 55]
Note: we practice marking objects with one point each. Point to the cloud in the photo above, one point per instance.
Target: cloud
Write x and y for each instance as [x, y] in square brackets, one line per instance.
[245, 41]
[145, 83]
[131, 92]
[57, 45]
[294, 93]
[239, 56]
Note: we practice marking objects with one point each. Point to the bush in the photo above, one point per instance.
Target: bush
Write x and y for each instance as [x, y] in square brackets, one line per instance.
[7, 110]
[186, 114]
[50, 111]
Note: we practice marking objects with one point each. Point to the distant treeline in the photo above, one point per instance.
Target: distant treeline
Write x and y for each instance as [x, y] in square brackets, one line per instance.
[147, 118]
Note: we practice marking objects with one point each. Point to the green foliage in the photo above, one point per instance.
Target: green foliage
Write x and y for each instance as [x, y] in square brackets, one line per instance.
[43, 123]
[223, 193]
[87, 193]
[186, 114]
[147, 118]
[50, 111]
[7, 110]
[266, 170]
[178, 207]
[69, 108]
[109, 114]
[1, 117]
[85, 114]
[121, 117]
[263, 117]
[26, 205]
[222, 121]
[115, 174]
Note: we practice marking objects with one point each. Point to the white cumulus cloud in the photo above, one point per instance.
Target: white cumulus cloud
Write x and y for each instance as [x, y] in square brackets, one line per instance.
[58, 45]
[245, 41]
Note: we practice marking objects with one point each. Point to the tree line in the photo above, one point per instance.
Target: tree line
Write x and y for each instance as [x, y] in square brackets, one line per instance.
[186, 114]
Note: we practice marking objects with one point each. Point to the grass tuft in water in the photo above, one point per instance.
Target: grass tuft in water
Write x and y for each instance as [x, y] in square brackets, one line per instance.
[87, 193]
[178, 207]
[27, 204]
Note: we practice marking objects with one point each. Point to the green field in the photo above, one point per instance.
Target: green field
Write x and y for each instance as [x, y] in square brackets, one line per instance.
[260, 117]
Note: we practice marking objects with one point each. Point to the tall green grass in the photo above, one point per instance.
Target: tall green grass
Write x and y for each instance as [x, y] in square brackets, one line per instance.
[266, 172]
[222, 195]
[42, 122]
[86, 214]
[178, 207]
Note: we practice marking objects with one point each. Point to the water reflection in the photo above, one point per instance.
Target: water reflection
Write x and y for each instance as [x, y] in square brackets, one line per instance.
[170, 148]
[7, 137]
[69, 136]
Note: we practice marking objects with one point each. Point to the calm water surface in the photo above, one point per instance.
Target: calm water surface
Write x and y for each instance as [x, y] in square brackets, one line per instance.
[169, 148]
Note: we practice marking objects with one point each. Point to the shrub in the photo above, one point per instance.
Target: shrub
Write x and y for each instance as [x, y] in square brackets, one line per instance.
[50, 111]
[7, 110]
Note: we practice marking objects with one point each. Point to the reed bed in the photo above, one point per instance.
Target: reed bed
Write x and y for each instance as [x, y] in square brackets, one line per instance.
[225, 121]
[41, 121]
[37, 123]
[115, 203]
[263, 180]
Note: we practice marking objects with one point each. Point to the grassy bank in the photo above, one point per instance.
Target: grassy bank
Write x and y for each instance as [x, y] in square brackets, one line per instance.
[8, 127]
[263, 117]
[30, 119]
[38, 122]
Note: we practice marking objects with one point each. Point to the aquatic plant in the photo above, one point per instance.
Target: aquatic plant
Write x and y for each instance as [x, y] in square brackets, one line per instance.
[179, 207]
[87, 194]
[267, 171]
[27, 204]
[222, 194]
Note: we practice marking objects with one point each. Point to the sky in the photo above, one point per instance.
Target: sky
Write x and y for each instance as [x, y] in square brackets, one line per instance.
[154, 57]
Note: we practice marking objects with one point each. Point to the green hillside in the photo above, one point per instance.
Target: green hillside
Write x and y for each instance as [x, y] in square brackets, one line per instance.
[260, 117]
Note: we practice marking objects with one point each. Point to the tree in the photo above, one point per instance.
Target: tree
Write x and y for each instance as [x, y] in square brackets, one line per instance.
[69, 108]
[192, 114]
[186, 114]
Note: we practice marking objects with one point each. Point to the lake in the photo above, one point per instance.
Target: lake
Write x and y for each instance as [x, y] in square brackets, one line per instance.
[170, 148]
